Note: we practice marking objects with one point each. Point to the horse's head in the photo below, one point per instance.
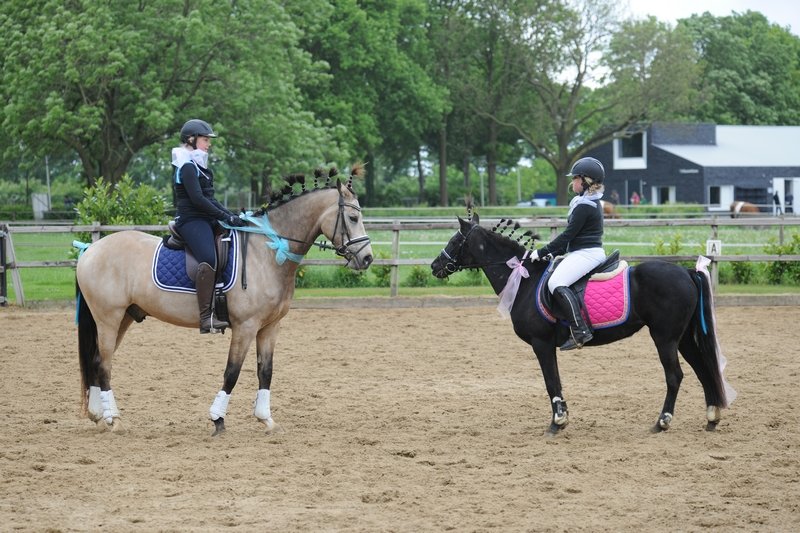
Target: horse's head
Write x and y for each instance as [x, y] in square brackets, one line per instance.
[344, 226]
[456, 254]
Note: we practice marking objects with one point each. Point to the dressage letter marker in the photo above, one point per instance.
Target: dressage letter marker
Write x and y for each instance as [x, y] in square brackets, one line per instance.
[713, 247]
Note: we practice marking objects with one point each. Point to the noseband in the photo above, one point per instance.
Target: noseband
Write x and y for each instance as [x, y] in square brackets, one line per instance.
[343, 250]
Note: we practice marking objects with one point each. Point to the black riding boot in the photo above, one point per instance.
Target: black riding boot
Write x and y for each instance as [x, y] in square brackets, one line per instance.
[205, 281]
[571, 308]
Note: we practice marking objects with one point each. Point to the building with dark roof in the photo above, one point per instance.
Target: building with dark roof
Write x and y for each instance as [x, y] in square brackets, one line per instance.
[705, 164]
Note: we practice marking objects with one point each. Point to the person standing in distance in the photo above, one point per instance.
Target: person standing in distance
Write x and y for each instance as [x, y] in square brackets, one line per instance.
[582, 241]
[198, 212]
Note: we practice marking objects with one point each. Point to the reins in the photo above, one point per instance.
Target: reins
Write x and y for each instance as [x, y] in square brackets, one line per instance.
[346, 241]
[452, 265]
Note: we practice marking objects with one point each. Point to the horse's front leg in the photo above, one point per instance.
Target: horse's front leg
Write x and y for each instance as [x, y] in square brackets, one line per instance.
[241, 339]
[265, 346]
[545, 350]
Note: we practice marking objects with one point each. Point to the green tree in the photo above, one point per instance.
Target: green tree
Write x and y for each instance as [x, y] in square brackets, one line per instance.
[104, 80]
[750, 70]
[593, 77]
[377, 90]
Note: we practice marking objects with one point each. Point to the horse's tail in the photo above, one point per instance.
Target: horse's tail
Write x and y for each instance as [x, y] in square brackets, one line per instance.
[702, 333]
[88, 351]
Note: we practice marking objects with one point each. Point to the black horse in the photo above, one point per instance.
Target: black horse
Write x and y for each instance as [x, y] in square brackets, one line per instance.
[674, 302]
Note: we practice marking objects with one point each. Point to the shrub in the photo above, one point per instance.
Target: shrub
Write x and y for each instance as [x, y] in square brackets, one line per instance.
[418, 277]
[122, 204]
[783, 271]
[382, 273]
[743, 272]
[347, 277]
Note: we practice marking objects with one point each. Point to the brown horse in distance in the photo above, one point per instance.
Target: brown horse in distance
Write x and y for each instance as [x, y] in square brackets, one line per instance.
[609, 209]
[740, 209]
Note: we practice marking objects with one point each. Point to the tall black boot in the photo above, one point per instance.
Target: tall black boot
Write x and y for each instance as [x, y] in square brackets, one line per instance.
[205, 281]
[571, 308]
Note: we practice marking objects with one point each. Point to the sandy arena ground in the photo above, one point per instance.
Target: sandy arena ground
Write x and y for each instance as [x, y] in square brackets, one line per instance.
[424, 419]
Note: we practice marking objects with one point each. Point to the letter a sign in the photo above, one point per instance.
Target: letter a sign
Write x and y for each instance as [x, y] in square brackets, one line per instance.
[713, 247]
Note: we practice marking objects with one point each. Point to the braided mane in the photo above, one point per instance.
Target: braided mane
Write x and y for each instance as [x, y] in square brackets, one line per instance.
[322, 180]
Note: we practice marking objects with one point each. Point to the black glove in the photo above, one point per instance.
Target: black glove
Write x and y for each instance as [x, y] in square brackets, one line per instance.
[234, 221]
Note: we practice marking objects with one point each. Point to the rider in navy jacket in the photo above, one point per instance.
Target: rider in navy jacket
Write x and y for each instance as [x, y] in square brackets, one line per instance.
[198, 212]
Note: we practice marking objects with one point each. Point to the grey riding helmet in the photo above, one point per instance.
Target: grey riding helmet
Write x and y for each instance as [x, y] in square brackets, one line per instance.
[588, 167]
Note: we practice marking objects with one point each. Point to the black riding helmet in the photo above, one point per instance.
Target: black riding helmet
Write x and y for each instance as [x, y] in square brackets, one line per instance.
[588, 167]
[194, 128]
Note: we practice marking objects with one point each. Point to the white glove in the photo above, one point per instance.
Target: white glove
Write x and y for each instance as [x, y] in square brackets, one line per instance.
[535, 256]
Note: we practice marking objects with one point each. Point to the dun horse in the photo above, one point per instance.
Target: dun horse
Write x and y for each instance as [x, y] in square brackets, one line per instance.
[115, 282]
[674, 302]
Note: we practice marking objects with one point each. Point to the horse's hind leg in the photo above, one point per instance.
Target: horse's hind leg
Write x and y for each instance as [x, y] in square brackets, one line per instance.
[668, 354]
[694, 357]
[102, 403]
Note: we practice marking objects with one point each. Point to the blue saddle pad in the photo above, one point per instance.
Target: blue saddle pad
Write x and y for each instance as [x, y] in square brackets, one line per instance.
[169, 268]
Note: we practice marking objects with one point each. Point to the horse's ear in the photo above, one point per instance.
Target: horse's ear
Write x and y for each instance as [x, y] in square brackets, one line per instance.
[476, 219]
[465, 224]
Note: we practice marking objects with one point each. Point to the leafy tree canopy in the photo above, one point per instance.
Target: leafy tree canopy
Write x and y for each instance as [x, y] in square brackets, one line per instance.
[104, 80]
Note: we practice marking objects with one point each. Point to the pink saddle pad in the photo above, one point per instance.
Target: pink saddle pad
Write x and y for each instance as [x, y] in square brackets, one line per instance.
[607, 301]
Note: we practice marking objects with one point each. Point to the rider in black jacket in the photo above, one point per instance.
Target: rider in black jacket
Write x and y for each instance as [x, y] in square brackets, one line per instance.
[198, 212]
[582, 241]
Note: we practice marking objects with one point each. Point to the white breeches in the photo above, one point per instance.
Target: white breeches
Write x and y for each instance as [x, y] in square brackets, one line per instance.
[574, 266]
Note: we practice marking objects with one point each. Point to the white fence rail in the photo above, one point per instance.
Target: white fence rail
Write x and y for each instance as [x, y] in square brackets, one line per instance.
[9, 264]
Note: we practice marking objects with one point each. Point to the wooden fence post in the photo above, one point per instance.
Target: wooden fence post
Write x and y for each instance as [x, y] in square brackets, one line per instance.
[10, 256]
[395, 268]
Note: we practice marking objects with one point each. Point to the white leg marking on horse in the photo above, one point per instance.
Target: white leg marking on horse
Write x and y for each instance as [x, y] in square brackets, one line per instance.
[559, 420]
[713, 413]
[220, 406]
[95, 405]
[261, 409]
[110, 410]
[665, 421]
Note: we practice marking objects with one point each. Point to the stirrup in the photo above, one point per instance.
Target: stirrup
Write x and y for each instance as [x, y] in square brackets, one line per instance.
[215, 326]
[573, 344]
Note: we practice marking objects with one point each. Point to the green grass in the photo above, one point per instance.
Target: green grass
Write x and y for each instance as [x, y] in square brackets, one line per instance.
[57, 283]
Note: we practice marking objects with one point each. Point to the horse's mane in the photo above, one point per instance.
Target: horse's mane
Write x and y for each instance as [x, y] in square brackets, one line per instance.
[506, 231]
[322, 181]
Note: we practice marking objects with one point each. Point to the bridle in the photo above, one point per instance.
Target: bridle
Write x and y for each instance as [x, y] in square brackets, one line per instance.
[344, 250]
[340, 228]
[452, 264]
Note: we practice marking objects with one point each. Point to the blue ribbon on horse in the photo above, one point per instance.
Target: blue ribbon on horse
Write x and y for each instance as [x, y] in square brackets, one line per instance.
[274, 241]
[81, 246]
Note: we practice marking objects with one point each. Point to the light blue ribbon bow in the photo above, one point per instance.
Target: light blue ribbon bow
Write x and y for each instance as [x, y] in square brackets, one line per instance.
[274, 241]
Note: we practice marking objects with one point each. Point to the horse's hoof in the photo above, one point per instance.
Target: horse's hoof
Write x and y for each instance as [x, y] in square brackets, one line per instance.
[554, 429]
[711, 426]
[271, 426]
[115, 426]
[219, 426]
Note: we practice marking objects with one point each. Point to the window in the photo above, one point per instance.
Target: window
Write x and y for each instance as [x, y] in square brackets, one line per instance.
[630, 153]
[632, 146]
[713, 196]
